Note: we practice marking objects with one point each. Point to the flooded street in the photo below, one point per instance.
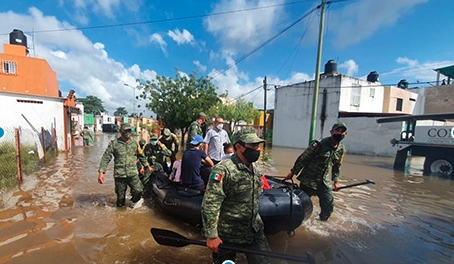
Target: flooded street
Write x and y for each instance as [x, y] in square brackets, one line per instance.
[62, 215]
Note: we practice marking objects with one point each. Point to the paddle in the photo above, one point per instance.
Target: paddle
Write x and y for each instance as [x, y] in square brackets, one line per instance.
[170, 238]
[356, 184]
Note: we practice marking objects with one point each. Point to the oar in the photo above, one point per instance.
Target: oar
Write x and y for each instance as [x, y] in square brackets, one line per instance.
[170, 238]
[356, 184]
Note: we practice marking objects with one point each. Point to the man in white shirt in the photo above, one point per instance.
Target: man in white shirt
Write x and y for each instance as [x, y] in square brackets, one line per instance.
[215, 139]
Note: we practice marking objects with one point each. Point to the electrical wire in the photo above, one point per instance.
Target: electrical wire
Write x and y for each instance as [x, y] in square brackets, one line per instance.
[164, 20]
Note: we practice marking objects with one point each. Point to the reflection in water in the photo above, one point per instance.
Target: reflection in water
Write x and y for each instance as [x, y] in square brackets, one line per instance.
[62, 215]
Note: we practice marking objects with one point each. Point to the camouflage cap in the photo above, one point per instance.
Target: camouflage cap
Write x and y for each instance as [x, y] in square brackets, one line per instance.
[339, 125]
[202, 115]
[125, 126]
[246, 135]
[154, 136]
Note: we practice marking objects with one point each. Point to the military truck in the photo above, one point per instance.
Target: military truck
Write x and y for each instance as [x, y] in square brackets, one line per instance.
[430, 136]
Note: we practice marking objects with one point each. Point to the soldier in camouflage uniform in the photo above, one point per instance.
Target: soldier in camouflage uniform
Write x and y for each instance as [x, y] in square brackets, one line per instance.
[170, 140]
[125, 152]
[195, 128]
[230, 207]
[156, 153]
[319, 159]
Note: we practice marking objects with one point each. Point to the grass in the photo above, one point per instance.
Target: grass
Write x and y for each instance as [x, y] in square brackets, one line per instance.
[8, 167]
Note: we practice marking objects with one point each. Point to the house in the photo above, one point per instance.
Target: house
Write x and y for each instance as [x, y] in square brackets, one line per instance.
[29, 90]
[355, 101]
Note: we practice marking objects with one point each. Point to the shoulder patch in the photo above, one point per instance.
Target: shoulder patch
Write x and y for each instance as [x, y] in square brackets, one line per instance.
[216, 176]
[314, 143]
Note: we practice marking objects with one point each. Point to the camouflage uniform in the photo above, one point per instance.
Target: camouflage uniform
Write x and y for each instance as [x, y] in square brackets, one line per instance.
[194, 129]
[86, 135]
[170, 140]
[125, 168]
[316, 162]
[156, 155]
[230, 209]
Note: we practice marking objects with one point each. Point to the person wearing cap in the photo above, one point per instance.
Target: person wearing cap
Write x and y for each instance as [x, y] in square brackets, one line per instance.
[191, 163]
[195, 128]
[215, 140]
[230, 206]
[170, 140]
[320, 165]
[126, 152]
[156, 153]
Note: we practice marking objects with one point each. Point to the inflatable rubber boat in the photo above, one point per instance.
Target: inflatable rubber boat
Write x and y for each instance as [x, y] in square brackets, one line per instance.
[283, 207]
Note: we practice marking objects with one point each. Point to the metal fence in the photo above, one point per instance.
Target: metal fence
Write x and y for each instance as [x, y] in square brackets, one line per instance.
[22, 151]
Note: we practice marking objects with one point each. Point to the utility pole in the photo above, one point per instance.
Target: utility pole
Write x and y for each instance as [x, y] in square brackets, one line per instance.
[317, 71]
[264, 110]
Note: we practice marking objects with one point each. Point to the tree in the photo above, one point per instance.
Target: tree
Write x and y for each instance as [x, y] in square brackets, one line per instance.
[177, 101]
[121, 111]
[236, 112]
[92, 105]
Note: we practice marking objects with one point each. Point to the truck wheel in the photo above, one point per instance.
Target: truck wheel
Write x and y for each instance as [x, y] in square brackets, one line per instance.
[439, 165]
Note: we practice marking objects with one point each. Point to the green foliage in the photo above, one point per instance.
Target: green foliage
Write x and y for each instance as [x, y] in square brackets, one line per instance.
[92, 105]
[177, 101]
[8, 167]
[121, 111]
[236, 112]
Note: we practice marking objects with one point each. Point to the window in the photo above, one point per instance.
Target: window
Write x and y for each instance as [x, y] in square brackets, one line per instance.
[9, 67]
[399, 104]
[355, 95]
[372, 92]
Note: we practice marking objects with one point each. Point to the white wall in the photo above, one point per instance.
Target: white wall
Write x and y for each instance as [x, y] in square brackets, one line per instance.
[293, 110]
[48, 114]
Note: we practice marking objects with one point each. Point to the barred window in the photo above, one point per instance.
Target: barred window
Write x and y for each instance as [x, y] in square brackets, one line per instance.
[9, 67]
[355, 97]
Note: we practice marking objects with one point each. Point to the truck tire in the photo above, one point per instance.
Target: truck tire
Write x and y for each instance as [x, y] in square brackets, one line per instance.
[441, 165]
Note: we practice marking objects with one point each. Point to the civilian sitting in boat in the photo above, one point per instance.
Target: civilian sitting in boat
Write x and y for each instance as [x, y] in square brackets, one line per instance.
[192, 160]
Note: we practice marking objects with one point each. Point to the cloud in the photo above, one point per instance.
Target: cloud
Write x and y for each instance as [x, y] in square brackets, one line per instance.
[181, 37]
[361, 19]
[410, 63]
[200, 66]
[240, 31]
[350, 66]
[156, 38]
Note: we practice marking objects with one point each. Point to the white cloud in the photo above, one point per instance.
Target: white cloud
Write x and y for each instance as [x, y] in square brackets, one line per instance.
[240, 31]
[361, 19]
[350, 66]
[200, 66]
[181, 37]
[404, 60]
[156, 38]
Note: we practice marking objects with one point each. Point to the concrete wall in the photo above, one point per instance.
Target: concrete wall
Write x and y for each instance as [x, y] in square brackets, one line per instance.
[439, 99]
[392, 94]
[44, 112]
[293, 110]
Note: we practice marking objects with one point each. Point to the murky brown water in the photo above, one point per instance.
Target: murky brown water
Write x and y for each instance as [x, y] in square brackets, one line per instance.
[62, 215]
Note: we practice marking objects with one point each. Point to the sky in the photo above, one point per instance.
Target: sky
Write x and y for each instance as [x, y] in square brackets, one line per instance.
[98, 46]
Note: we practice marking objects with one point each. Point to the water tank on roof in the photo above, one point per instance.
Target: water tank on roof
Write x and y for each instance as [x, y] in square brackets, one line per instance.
[402, 84]
[330, 67]
[17, 37]
[373, 76]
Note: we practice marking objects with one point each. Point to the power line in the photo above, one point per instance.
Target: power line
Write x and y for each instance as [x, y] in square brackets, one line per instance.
[263, 44]
[164, 20]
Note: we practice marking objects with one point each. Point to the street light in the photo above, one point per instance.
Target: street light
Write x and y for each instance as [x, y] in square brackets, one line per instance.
[134, 100]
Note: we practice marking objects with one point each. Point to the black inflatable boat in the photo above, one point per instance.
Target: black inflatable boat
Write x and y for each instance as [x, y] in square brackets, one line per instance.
[283, 207]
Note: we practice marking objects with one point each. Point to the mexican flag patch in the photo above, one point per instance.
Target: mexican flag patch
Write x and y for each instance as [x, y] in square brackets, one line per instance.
[216, 176]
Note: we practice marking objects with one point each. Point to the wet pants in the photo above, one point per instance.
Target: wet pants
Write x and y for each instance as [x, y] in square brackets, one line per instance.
[260, 243]
[120, 189]
[325, 197]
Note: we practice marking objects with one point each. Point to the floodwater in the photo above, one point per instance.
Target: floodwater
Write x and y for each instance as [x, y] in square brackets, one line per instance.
[62, 215]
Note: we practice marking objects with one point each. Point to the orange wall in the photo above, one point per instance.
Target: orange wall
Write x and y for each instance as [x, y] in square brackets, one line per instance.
[33, 75]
